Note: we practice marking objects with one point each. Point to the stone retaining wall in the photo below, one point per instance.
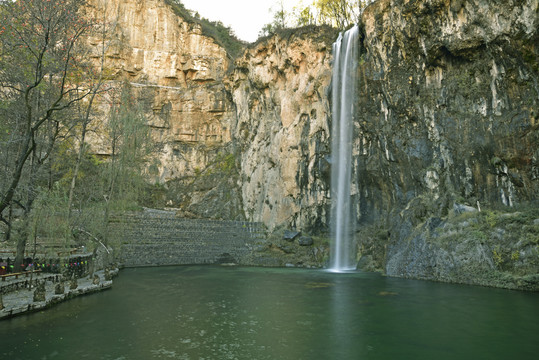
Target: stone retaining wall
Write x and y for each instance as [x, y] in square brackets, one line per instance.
[157, 238]
[25, 283]
[18, 302]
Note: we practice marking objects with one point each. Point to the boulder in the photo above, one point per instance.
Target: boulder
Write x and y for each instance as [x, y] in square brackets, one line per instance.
[108, 275]
[305, 241]
[290, 235]
[460, 208]
[286, 249]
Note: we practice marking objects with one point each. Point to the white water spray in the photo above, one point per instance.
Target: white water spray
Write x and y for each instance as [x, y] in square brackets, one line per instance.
[345, 53]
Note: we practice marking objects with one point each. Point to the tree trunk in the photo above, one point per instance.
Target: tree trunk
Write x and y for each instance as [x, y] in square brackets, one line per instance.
[9, 223]
[76, 172]
[85, 122]
[92, 264]
[7, 197]
[21, 247]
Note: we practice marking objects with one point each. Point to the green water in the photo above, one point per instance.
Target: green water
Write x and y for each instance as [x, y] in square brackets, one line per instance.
[201, 312]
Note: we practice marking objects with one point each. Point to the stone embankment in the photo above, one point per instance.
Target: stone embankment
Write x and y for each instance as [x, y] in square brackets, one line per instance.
[20, 296]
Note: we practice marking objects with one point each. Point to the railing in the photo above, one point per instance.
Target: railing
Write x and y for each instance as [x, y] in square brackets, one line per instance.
[26, 273]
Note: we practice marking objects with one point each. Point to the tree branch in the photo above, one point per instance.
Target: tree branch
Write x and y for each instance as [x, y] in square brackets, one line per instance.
[93, 238]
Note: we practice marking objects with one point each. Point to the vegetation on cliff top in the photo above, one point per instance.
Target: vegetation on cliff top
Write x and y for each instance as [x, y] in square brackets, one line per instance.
[222, 34]
[340, 14]
[319, 33]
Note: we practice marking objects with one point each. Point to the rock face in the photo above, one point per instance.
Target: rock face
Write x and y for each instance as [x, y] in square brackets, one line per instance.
[244, 140]
[449, 98]
[280, 90]
[448, 103]
[176, 73]
[447, 121]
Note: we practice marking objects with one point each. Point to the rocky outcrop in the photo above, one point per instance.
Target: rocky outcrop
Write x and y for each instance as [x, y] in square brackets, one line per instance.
[449, 97]
[280, 88]
[491, 248]
[176, 73]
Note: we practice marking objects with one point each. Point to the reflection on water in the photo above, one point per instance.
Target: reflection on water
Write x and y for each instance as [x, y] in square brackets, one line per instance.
[250, 313]
[345, 332]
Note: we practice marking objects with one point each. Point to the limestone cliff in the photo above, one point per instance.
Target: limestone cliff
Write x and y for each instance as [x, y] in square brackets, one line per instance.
[449, 98]
[280, 90]
[446, 122]
[177, 73]
[244, 139]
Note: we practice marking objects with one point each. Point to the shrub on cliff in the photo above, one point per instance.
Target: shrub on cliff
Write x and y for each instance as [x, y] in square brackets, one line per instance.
[222, 34]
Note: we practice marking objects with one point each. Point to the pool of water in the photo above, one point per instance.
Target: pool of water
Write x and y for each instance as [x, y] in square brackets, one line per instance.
[204, 312]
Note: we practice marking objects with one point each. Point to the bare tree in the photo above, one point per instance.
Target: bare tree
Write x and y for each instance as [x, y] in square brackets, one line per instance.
[40, 67]
[105, 28]
[280, 19]
[129, 138]
[338, 13]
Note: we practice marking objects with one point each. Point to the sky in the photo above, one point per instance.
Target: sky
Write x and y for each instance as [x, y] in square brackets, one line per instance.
[245, 17]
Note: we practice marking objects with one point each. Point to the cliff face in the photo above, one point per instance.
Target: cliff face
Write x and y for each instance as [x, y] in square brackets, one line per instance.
[280, 90]
[177, 74]
[448, 102]
[446, 122]
[243, 140]
[448, 116]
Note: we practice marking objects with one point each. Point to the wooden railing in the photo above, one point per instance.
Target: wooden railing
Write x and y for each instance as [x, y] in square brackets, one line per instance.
[26, 273]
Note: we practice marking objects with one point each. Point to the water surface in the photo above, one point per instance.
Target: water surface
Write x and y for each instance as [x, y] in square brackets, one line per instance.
[198, 312]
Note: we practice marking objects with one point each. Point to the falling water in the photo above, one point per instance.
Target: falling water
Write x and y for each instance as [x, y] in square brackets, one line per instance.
[345, 53]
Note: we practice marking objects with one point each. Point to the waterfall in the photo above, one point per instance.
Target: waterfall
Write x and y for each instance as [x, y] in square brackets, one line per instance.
[345, 54]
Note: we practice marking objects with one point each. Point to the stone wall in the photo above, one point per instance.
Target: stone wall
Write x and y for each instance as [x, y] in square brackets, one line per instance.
[159, 238]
